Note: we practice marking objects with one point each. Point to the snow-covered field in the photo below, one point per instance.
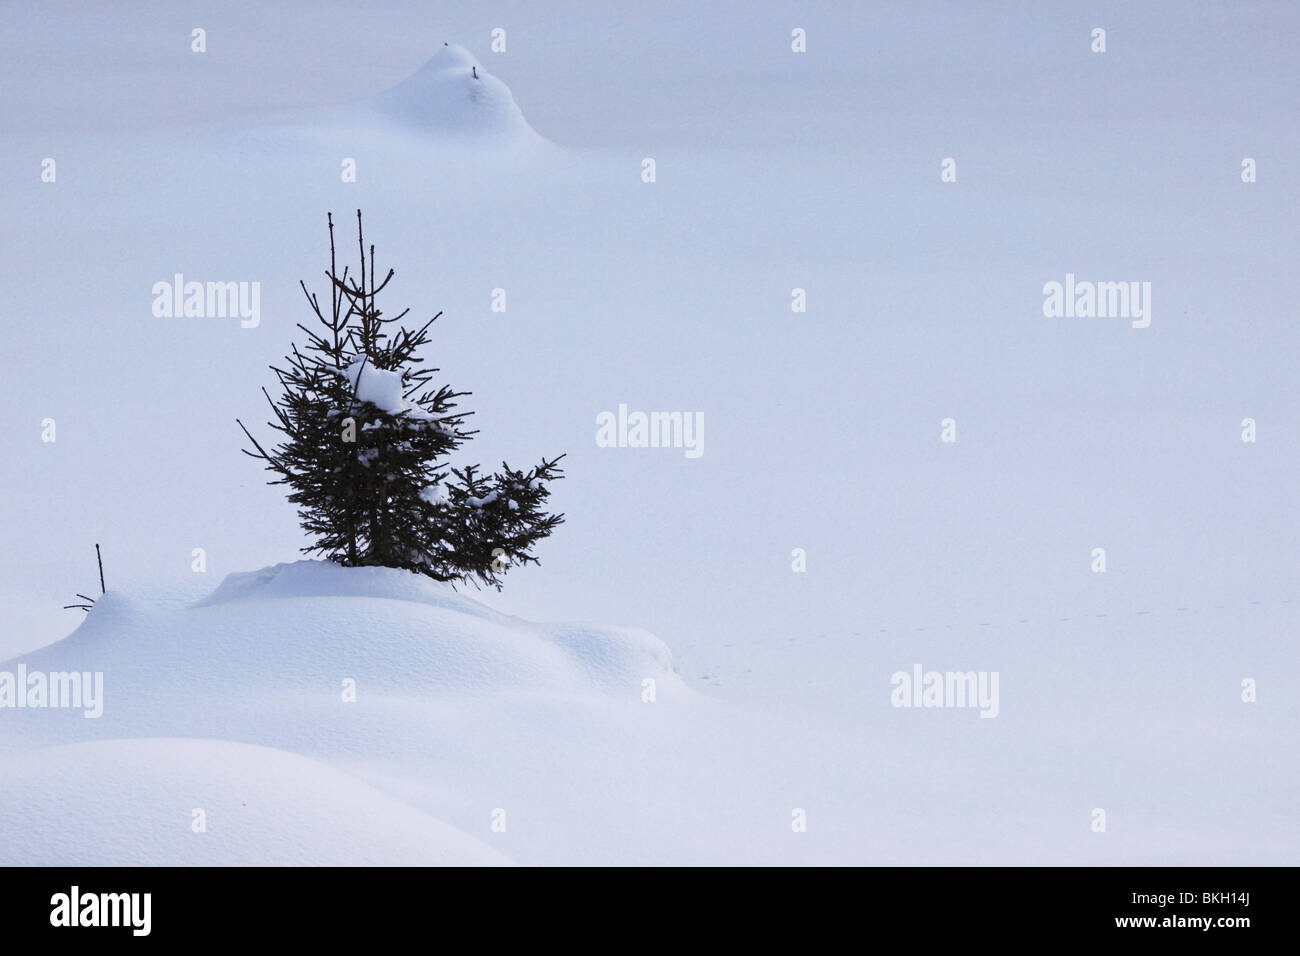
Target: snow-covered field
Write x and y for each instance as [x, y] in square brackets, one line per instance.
[825, 539]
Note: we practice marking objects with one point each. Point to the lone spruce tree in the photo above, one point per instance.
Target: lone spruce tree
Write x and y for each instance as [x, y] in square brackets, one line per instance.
[367, 438]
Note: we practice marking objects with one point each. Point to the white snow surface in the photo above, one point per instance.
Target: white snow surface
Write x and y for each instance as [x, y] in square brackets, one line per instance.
[775, 171]
[134, 802]
[235, 706]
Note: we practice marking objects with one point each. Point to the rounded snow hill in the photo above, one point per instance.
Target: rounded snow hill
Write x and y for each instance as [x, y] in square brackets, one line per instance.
[324, 714]
[452, 96]
[211, 803]
[269, 655]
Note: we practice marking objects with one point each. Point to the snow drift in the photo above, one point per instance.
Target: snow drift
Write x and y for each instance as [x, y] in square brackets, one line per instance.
[318, 714]
[291, 639]
[452, 96]
[210, 803]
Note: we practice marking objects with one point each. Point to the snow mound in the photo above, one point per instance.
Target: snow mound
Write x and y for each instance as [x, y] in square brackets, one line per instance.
[451, 95]
[286, 639]
[211, 803]
[323, 714]
[304, 579]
